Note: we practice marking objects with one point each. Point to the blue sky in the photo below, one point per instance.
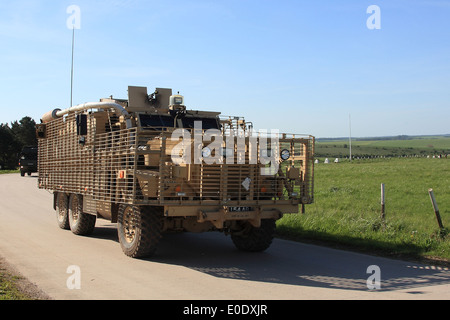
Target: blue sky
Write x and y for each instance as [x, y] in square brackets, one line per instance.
[297, 66]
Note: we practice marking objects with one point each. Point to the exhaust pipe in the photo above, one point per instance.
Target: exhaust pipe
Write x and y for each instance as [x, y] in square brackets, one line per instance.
[49, 116]
[58, 113]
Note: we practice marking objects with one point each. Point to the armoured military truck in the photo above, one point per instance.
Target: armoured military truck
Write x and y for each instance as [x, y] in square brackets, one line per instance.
[152, 166]
[28, 160]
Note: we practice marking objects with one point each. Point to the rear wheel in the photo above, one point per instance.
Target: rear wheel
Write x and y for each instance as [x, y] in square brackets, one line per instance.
[62, 210]
[139, 230]
[254, 239]
[81, 223]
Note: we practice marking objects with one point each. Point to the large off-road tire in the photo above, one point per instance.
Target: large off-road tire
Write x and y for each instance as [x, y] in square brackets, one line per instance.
[62, 210]
[254, 239]
[139, 230]
[81, 223]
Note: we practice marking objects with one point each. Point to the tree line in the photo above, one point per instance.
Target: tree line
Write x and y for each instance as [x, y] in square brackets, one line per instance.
[13, 137]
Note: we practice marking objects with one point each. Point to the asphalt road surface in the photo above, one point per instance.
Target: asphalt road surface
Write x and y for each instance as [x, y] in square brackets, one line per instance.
[191, 266]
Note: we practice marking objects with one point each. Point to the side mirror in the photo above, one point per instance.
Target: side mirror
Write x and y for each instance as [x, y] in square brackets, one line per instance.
[82, 125]
[41, 131]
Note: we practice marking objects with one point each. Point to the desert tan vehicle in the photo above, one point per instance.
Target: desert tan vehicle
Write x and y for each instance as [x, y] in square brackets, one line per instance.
[152, 166]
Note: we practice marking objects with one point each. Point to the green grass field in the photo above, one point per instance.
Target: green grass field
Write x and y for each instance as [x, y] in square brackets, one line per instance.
[348, 205]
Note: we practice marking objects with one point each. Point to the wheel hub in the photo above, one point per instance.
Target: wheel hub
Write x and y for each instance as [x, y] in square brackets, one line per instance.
[129, 225]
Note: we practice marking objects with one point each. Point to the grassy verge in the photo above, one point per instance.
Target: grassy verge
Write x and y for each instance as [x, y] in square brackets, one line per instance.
[9, 289]
[9, 171]
[347, 207]
[14, 287]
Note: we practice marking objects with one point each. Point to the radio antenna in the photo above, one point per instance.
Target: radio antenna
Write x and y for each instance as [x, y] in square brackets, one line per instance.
[71, 72]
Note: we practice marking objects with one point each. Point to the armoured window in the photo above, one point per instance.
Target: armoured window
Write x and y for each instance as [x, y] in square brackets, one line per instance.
[156, 121]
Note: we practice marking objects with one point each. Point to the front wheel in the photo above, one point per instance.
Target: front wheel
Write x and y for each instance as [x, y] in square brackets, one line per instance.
[254, 239]
[139, 230]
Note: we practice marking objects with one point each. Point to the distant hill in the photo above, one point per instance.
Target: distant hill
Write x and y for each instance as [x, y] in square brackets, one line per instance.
[399, 137]
[392, 146]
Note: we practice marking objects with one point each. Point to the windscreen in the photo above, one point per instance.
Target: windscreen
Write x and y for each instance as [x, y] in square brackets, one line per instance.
[207, 123]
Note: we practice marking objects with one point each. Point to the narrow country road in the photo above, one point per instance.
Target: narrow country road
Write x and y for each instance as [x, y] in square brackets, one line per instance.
[190, 266]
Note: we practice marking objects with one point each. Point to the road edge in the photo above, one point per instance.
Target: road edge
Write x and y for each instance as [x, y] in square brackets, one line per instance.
[30, 290]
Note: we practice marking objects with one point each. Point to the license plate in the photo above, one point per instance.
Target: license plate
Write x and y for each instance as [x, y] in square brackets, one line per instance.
[240, 209]
[30, 164]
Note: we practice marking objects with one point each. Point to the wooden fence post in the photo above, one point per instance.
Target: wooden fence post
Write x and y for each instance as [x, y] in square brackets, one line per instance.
[436, 209]
[383, 207]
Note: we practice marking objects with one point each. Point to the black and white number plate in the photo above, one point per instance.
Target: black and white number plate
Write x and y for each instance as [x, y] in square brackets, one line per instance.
[240, 209]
